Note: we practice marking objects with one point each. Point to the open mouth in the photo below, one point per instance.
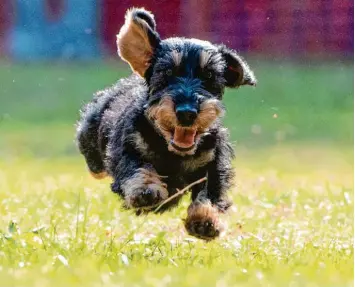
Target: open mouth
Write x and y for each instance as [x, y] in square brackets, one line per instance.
[184, 138]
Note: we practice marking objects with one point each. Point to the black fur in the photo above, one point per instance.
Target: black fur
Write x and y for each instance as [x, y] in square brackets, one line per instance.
[116, 136]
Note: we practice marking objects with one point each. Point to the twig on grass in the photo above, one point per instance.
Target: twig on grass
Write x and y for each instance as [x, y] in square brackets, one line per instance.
[179, 193]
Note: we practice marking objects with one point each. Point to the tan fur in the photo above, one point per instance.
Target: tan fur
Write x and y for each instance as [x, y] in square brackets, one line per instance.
[163, 114]
[100, 175]
[133, 44]
[142, 180]
[204, 58]
[209, 112]
[200, 211]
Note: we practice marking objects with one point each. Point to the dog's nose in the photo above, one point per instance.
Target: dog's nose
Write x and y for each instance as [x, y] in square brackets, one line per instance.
[186, 115]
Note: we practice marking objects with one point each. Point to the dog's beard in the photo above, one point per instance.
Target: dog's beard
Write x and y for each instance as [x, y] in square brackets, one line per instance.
[183, 140]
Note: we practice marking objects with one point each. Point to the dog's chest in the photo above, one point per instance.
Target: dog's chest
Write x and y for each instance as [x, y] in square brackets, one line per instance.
[195, 163]
[167, 163]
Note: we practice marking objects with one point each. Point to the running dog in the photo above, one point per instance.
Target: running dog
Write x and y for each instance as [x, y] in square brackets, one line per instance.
[160, 129]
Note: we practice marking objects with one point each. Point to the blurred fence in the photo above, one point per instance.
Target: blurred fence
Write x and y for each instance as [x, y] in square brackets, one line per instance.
[33, 29]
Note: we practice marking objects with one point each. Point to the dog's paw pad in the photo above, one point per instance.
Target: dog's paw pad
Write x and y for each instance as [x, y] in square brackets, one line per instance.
[204, 229]
[145, 197]
[203, 221]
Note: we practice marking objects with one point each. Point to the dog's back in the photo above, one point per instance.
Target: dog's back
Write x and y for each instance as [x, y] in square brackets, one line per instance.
[97, 118]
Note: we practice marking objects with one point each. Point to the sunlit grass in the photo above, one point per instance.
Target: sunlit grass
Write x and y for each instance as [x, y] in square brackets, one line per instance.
[291, 225]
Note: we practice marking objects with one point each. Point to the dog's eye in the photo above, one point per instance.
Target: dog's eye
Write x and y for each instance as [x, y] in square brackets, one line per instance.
[207, 75]
[169, 72]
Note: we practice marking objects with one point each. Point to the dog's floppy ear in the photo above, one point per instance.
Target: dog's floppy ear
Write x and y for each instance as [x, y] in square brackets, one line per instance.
[138, 39]
[237, 71]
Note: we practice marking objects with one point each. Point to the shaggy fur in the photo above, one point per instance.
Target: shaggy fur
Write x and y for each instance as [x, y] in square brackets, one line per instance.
[160, 128]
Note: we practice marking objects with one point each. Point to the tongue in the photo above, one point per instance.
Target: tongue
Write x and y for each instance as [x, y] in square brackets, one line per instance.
[184, 137]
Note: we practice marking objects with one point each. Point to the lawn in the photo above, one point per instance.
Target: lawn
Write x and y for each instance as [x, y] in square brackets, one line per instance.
[292, 219]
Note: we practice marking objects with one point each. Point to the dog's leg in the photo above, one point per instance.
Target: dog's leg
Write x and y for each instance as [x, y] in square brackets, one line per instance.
[144, 188]
[209, 200]
[139, 184]
[87, 139]
[88, 135]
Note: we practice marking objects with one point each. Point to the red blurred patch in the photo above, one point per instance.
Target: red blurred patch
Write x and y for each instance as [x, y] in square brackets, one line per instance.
[54, 9]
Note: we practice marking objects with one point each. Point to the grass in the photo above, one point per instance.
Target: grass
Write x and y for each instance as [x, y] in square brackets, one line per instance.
[292, 225]
[292, 102]
[292, 220]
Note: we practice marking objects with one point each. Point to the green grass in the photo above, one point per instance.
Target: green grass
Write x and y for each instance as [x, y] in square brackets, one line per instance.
[292, 220]
[292, 102]
[292, 225]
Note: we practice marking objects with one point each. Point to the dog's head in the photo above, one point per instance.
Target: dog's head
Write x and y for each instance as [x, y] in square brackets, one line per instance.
[185, 77]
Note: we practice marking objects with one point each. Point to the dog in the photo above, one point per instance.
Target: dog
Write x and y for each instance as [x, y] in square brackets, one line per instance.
[160, 129]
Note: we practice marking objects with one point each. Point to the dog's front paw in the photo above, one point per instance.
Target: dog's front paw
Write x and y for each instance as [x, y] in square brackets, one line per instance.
[144, 189]
[202, 221]
[145, 196]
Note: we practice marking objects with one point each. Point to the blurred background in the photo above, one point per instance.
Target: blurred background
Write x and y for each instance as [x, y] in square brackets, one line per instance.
[54, 54]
